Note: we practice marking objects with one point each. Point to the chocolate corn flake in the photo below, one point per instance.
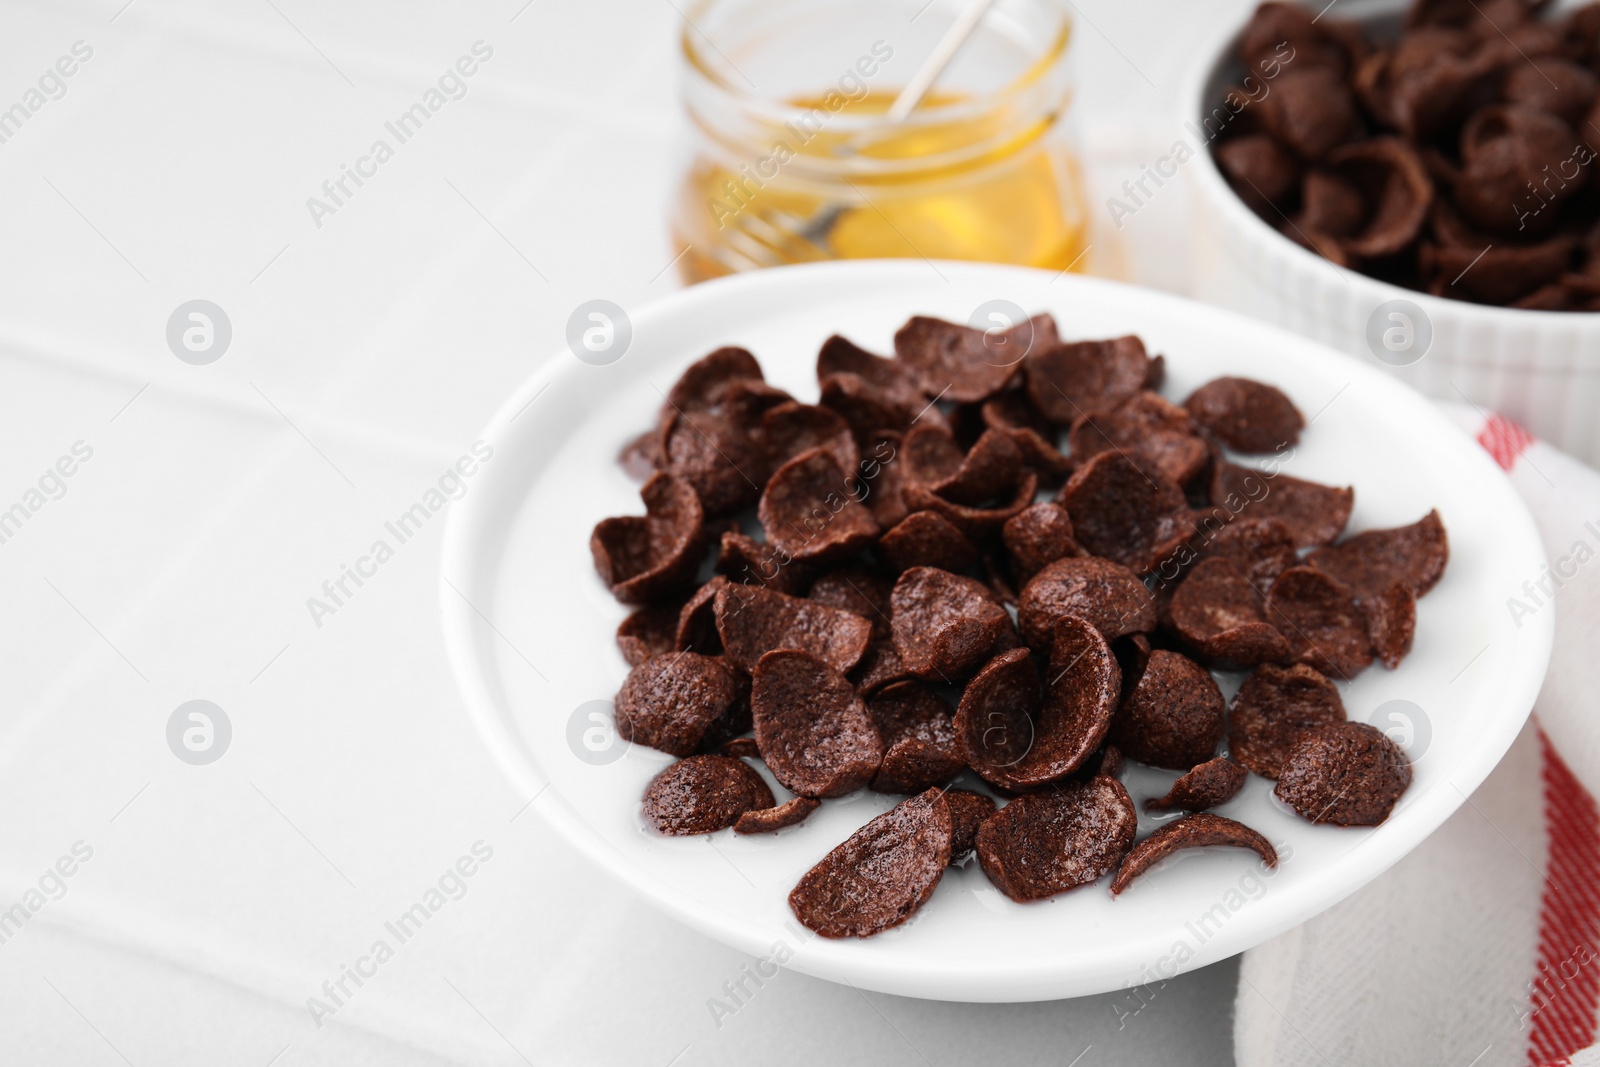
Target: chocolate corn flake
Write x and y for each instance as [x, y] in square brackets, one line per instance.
[1107, 595]
[965, 365]
[1017, 737]
[1391, 618]
[1344, 773]
[648, 559]
[1200, 829]
[919, 739]
[703, 794]
[715, 453]
[1218, 613]
[881, 874]
[853, 587]
[770, 820]
[884, 393]
[946, 626]
[1070, 381]
[811, 514]
[1395, 191]
[750, 562]
[792, 428]
[1261, 172]
[1038, 536]
[1315, 514]
[1042, 844]
[1172, 717]
[967, 812]
[814, 732]
[753, 621]
[1261, 548]
[1208, 784]
[1246, 415]
[926, 539]
[648, 632]
[1156, 434]
[1320, 620]
[1035, 437]
[683, 703]
[1370, 562]
[704, 384]
[742, 747]
[1273, 707]
[697, 620]
[1125, 514]
[879, 667]
[978, 523]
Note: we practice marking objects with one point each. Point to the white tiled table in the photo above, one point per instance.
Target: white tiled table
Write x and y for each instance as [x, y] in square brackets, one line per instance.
[366, 353]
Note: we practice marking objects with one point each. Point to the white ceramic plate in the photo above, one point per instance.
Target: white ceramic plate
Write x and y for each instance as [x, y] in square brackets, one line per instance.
[530, 633]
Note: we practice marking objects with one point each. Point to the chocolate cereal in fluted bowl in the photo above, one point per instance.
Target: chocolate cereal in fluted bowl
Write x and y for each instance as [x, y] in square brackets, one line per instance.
[898, 607]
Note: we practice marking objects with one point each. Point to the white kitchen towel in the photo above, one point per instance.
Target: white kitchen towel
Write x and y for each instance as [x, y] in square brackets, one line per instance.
[1482, 947]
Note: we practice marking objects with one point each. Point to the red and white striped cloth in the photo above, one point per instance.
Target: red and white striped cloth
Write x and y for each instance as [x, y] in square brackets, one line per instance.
[1482, 947]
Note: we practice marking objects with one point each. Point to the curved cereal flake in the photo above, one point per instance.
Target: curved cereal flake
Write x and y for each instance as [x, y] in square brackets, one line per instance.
[1107, 594]
[977, 523]
[1037, 536]
[704, 383]
[926, 539]
[1246, 415]
[1262, 548]
[703, 794]
[742, 747]
[1216, 781]
[965, 365]
[881, 874]
[683, 703]
[648, 632]
[1273, 707]
[1014, 413]
[1082, 378]
[1370, 562]
[753, 621]
[1046, 843]
[989, 471]
[919, 739]
[1200, 829]
[998, 716]
[946, 626]
[1173, 715]
[881, 480]
[885, 393]
[879, 667]
[697, 620]
[814, 732]
[770, 820]
[855, 588]
[641, 456]
[1344, 773]
[967, 812]
[1321, 621]
[1122, 513]
[1017, 738]
[648, 559]
[1156, 434]
[792, 428]
[810, 513]
[750, 562]
[715, 453]
[1391, 618]
[1314, 513]
[1218, 613]
[931, 456]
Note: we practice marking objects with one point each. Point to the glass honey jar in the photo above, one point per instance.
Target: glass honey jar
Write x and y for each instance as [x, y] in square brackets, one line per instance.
[792, 158]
